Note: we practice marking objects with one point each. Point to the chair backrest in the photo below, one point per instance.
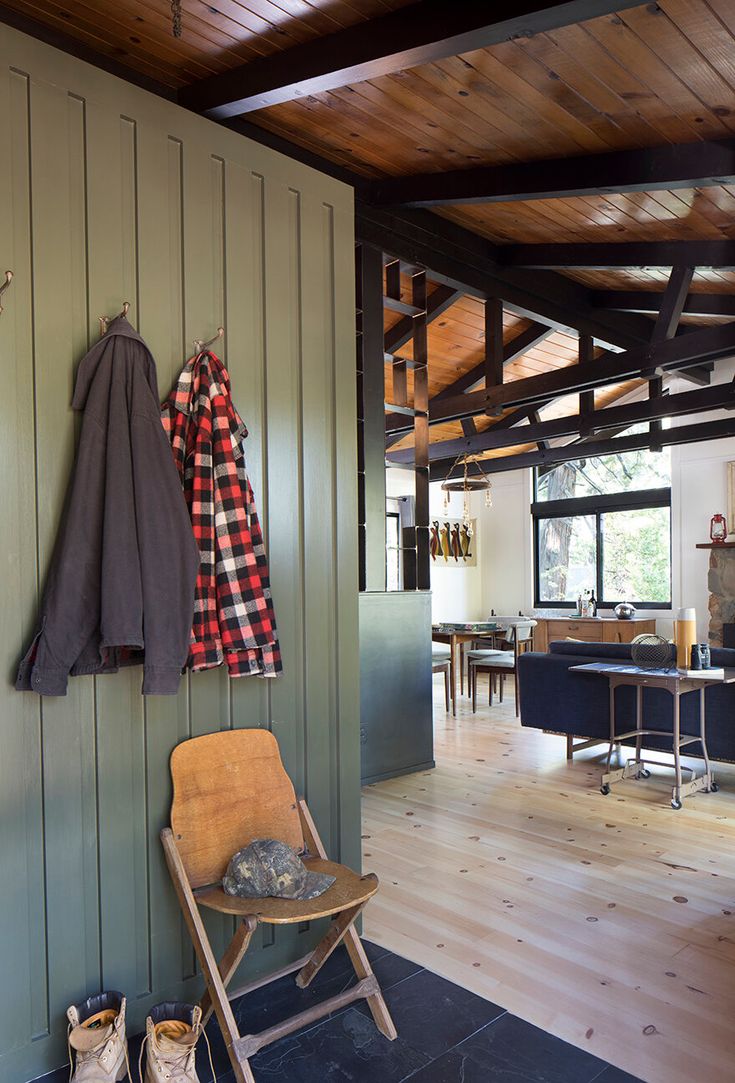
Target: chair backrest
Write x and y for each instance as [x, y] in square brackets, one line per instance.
[229, 788]
[521, 631]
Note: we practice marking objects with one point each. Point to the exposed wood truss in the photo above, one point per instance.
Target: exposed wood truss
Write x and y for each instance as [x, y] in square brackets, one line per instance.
[710, 344]
[442, 298]
[721, 396]
[396, 426]
[691, 165]
[684, 434]
[534, 333]
[423, 32]
[459, 258]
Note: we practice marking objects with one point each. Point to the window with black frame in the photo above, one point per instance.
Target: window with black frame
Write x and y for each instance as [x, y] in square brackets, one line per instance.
[604, 524]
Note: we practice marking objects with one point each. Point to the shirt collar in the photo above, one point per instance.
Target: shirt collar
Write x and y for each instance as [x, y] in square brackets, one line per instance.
[186, 390]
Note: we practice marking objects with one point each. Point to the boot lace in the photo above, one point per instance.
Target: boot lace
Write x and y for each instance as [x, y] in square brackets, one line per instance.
[179, 1061]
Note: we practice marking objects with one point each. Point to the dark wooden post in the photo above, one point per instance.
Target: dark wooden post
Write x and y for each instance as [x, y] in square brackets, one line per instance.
[371, 418]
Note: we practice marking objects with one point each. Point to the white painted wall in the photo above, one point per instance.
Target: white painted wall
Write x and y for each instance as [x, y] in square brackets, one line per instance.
[698, 491]
[457, 593]
[506, 551]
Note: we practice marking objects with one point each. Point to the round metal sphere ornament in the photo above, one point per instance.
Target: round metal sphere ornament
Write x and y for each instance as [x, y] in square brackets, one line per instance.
[650, 652]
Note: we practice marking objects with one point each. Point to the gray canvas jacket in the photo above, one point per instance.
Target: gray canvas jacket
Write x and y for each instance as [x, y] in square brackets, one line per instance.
[120, 589]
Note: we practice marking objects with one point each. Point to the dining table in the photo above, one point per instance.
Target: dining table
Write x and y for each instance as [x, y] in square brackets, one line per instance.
[456, 635]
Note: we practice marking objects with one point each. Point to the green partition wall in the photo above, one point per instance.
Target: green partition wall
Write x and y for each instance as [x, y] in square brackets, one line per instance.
[107, 194]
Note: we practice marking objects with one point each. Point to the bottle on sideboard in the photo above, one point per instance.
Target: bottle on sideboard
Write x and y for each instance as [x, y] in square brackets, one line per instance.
[593, 605]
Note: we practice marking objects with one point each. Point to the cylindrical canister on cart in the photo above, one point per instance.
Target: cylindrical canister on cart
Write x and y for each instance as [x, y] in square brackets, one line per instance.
[685, 636]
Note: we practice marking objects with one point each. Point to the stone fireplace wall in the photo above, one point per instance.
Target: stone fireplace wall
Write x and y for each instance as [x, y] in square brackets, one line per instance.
[721, 586]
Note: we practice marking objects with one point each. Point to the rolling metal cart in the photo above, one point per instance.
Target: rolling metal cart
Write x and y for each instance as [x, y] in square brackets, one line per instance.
[677, 683]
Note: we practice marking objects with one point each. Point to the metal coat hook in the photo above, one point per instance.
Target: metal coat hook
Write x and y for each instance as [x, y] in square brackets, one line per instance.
[105, 320]
[200, 347]
[4, 286]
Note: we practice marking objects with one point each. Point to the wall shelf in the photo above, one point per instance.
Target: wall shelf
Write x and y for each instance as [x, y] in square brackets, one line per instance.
[718, 545]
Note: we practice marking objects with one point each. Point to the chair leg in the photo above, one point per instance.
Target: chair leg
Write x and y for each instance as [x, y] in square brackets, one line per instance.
[337, 932]
[355, 950]
[376, 1003]
[472, 678]
[502, 682]
[240, 1065]
[515, 688]
[230, 961]
[446, 688]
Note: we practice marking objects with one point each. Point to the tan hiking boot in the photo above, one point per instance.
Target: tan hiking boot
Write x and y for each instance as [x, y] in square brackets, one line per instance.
[172, 1031]
[97, 1035]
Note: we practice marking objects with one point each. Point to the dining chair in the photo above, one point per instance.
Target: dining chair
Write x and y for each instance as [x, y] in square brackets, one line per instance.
[499, 663]
[441, 662]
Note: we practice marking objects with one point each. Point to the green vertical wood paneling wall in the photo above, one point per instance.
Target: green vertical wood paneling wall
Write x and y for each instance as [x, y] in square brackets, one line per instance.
[109, 194]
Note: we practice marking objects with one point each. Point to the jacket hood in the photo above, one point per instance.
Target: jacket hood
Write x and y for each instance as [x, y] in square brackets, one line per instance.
[120, 339]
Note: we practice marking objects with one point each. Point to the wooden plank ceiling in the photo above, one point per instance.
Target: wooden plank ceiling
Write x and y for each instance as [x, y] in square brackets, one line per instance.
[640, 77]
[215, 36]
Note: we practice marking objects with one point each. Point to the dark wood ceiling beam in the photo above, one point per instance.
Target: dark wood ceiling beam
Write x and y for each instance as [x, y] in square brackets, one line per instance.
[709, 344]
[420, 33]
[494, 360]
[586, 354]
[698, 374]
[516, 347]
[581, 256]
[672, 304]
[721, 396]
[689, 165]
[668, 319]
[684, 434]
[442, 298]
[457, 257]
[696, 304]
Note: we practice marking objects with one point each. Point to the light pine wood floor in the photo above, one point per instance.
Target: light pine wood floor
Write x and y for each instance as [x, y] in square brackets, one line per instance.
[608, 921]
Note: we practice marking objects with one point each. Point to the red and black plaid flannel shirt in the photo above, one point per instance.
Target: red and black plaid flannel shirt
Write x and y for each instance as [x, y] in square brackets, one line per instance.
[234, 621]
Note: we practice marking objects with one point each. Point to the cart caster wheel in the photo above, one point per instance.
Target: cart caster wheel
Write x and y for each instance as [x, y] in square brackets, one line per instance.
[714, 787]
[605, 790]
[645, 773]
[676, 804]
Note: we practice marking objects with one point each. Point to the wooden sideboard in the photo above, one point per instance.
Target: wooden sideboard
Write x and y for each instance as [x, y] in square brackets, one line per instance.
[589, 629]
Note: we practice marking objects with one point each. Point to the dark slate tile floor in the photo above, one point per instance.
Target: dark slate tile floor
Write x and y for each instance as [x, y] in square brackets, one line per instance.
[445, 1035]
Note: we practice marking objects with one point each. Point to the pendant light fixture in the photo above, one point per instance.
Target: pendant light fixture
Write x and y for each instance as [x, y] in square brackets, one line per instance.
[466, 484]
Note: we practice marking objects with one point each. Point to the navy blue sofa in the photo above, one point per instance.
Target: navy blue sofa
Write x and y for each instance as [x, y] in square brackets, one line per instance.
[577, 704]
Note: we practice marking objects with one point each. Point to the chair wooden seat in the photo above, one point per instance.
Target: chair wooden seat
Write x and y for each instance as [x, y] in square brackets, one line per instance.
[349, 889]
[231, 788]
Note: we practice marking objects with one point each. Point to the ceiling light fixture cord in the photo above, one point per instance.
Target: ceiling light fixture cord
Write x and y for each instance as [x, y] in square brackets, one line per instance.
[176, 18]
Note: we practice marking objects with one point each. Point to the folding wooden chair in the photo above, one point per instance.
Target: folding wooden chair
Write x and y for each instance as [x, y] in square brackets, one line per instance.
[230, 788]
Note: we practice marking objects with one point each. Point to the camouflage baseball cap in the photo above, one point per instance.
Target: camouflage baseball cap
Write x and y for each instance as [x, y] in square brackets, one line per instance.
[269, 868]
